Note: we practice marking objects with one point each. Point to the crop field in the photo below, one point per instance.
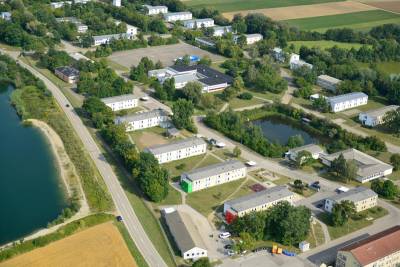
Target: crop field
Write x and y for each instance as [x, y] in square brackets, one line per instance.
[101, 245]
[237, 5]
[323, 44]
[393, 6]
[362, 21]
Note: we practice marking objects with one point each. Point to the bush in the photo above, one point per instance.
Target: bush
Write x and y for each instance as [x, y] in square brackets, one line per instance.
[245, 96]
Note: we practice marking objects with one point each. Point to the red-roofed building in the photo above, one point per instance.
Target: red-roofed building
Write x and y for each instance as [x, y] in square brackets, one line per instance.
[379, 250]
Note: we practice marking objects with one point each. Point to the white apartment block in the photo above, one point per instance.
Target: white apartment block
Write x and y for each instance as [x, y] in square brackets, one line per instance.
[257, 202]
[181, 149]
[222, 30]
[154, 10]
[130, 30]
[198, 23]
[250, 38]
[106, 39]
[212, 175]
[143, 120]
[121, 102]
[60, 4]
[362, 197]
[375, 117]
[176, 16]
[117, 3]
[295, 62]
[351, 100]
[328, 82]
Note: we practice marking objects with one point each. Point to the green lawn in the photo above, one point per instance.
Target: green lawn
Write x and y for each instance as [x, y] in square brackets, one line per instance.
[323, 44]
[316, 237]
[173, 198]
[236, 5]
[207, 200]
[236, 102]
[177, 167]
[146, 137]
[244, 190]
[388, 67]
[353, 224]
[359, 20]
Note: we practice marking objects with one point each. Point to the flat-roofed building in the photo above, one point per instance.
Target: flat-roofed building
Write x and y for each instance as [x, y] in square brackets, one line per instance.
[250, 38]
[351, 100]
[130, 30]
[106, 39]
[116, 3]
[212, 175]
[315, 151]
[177, 150]
[185, 234]
[379, 250]
[121, 102]
[143, 120]
[375, 117]
[362, 197]
[369, 168]
[295, 62]
[176, 16]
[78, 56]
[67, 74]
[222, 30]
[5, 15]
[205, 41]
[328, 82]
[198, 23]
[256, 202]
[60, 4]
[154, 10]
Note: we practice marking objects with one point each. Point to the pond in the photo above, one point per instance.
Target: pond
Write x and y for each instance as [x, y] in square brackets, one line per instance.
[31, 193]
[277, 131]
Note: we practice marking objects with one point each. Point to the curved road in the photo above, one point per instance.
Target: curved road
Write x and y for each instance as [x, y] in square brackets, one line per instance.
[121, 202]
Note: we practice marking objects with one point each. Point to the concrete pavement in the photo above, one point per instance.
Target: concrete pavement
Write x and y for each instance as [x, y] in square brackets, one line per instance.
[121, 201]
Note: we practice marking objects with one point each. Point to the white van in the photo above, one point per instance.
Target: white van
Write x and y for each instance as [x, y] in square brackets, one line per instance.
[224, 235]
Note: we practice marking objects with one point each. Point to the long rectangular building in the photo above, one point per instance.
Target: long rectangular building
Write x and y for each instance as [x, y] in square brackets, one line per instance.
[379, 250]
[256, 202]
[121, 102]
[176, 16]
[328, 82]
[181, 149]
[142, 120]
[362, 197]
[212, 175]
[351, 100]
[375, 117]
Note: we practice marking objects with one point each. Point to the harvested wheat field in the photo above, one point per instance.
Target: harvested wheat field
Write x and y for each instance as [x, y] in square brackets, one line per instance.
[393, 6]
[101, 245]
[307, 11]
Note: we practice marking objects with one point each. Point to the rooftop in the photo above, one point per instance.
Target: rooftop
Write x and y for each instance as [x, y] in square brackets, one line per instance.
[186, 77]
[118, 98]
[346, 97]
[115, 36]
[181, 144]
[329, 79]
[356, 194]
[256, 199]
[215, 169]
[154, 7]
[312, 148]
[198, 20]
[253, 35]
[207, 72]
[177, 13]
[68, 71]
[376, 246]
[222, 28]
[78, 56]
[380, 111]
[143, 115]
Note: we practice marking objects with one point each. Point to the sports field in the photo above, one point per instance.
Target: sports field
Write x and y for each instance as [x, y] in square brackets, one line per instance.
[101, 245]
[323, 44]
[362, 21]
[236, 5]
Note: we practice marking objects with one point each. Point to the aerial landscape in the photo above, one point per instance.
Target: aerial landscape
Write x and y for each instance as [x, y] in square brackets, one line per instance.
[200, 133]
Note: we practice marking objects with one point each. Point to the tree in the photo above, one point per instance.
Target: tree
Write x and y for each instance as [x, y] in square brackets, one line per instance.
[350, 171]
[392, 120]
[100, 114]
[203, 262]
[341, 212]
[193, 92]
[321, 104]
[303, 158]
[206, 60]
[252, 223]
[298, 184]
[385, 189]
[295, 141]
[169, 88]
[246, 242]
[395, 161]
[236, 152]
[182, 111]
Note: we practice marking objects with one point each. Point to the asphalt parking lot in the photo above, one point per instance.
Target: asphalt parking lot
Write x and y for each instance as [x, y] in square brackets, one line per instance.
[166, 54]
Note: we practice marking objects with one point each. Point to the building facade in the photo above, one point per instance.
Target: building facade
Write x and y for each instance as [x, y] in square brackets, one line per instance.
[181, 149]
[121, 102]
[250, 38]
[67, 74]
[279, 54]
[143, 120]
[379, 250]
[154, 10]
[222, 30]
[315, 151]
[117, 3]
[362, 197]
[106, 39]
[198, 23]
[256, 202]
[351, 100]
[328, 82]
[295, 62]
[177, 16]
[212, 175]
[5, 15]
[375, 117]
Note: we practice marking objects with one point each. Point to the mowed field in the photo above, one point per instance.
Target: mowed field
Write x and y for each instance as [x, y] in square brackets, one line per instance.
[323, 44]
[361, 21]
[306, 11]
[237, 5]
[101, 245]
[393, 6]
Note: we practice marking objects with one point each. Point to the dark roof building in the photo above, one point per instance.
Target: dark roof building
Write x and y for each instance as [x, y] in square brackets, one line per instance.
[67, 74]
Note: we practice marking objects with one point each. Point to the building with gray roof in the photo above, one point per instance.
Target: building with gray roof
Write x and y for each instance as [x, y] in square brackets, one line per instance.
[198, 23]
[328, 82]
[176, 16]
[314, 149]
[375, 117]
[362, 197]
[154, 10]
[121, 102]
[106, 39]
[222, 30]
[142, 120]
[351, 100]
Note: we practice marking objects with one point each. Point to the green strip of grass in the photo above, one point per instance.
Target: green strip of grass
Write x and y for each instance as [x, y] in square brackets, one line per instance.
[323, 44]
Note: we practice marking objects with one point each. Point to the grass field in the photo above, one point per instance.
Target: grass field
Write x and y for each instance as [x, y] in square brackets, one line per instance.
[359, 21]
[323, 44]
[388, 67]
[101, 245]
[236, 5]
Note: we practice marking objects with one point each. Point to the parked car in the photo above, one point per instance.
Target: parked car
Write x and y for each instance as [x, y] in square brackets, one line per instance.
[251, 163]
[119, 218]
[230, 252]
[220, 144]
[145, 98]
[228, 246]
[224, 235]
[212, 141]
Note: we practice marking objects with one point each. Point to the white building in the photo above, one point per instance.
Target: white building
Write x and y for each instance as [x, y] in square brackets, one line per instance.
[185, 234]
[222, 30]
[154, 10]
[295, 62]
[117, 3]
[176, 16]
[256, 202]
[351, 100]
[375, 117]
[278, 54]
[250, 38]
[80, 27]
[60, 4]
[5, 15]
[328, 82]
[198, 23]
[205, 41]
[78, 56]
[315, 151]
[362, 197]
[67, 74]
[130, 30]
[121, 102]
[369, 168]
[106, 39]
[143, 120]
[181, 149]
[212, 175]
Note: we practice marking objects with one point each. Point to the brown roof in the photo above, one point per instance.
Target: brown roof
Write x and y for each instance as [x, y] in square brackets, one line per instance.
[376, 246]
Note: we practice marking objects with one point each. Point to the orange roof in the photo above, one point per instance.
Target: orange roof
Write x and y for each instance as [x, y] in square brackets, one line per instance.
[376, 246]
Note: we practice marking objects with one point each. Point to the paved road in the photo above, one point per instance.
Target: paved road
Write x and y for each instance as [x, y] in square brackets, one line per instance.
[121, 202]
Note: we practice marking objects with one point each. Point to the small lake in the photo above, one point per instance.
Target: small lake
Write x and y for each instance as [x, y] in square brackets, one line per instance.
[31, 194]
[279, 132]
